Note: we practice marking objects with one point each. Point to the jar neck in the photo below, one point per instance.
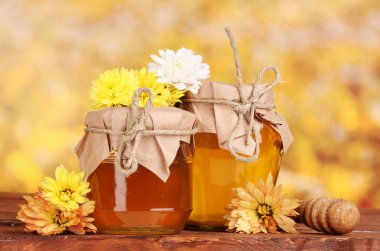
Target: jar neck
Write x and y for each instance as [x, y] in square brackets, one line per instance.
[110, 158]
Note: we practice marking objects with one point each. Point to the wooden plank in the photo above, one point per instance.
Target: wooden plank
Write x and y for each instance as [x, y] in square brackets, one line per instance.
[9, 203]
[12, 237]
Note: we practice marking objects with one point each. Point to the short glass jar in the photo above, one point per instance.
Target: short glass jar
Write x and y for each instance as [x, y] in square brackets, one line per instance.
[216, 172]
[142, 203]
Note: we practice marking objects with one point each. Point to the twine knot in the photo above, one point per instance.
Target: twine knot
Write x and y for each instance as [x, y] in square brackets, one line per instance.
[130, 139]
[134, 128]
[248, 107]
[243, 108]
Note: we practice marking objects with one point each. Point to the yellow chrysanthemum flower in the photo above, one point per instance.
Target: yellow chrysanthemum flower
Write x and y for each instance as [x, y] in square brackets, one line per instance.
[116, 88]
[67, 191]
[164, 95]
[175, 95]
[113, 88]
[261, 209]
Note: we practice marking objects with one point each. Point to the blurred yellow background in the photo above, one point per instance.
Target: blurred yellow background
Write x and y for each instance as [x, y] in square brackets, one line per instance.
[328, 51]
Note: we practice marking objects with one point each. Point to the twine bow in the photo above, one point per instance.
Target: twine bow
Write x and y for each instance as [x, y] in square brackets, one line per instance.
[248, 106]
[135, 128]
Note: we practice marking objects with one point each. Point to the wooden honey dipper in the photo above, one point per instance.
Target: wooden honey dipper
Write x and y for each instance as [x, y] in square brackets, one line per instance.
[329, 215]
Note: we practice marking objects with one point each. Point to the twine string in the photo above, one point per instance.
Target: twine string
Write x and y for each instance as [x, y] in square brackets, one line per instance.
[131, 139]
[237, 64]
[247, 106]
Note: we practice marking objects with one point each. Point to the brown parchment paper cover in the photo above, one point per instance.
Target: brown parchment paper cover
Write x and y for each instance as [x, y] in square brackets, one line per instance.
[156, 153]
[221, 118]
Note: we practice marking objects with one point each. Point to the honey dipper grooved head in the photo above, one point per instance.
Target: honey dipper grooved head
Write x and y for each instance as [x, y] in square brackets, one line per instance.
[343, 217]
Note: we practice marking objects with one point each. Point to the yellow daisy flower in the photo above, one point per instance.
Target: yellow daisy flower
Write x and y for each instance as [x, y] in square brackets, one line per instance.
[116, 88]
[67, 191]
[113, 88]
[261, 209]
[164, 95]
[175, 95]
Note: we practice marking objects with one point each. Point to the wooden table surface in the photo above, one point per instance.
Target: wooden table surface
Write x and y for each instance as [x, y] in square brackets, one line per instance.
[12, 237]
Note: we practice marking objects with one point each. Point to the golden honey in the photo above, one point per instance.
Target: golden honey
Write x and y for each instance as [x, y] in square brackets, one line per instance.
[216, 172]
[142, 203]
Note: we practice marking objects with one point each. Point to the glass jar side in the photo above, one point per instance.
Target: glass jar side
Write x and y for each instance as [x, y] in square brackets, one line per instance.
[142, 203]
[216, 172]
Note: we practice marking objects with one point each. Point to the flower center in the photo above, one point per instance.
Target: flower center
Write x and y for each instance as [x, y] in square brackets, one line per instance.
[263, 210]
[65, 194]
[60, 218]
[179, 64]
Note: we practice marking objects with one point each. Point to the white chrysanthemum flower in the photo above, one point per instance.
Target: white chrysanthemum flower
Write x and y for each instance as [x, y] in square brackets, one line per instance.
[182, 69]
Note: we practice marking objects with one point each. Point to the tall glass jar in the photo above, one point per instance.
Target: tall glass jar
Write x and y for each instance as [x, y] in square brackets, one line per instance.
[142, 203]
[216, 172]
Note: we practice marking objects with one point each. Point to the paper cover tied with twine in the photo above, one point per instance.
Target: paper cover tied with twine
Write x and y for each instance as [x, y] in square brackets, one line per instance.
[221, 118]
[157, 146]
[235, 112]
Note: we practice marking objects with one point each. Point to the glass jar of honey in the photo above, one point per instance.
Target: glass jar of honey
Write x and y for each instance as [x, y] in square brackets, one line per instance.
[227, 154]
[142, 203]
[216, 172]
